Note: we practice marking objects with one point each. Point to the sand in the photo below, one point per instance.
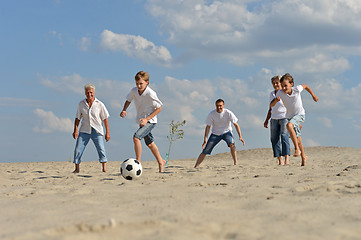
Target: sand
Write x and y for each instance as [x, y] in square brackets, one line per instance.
[256, 200]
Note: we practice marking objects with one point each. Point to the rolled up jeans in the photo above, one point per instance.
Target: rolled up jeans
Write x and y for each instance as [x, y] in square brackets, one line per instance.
[82, 142]
[280, 137]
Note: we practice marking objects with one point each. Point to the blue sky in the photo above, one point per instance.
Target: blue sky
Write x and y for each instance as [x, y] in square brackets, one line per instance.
[195, 52]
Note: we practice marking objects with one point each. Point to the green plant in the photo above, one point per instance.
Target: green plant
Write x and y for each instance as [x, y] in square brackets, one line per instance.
[174, 133]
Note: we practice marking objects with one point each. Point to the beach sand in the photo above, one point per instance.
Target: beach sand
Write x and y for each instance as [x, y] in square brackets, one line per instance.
[255, 200]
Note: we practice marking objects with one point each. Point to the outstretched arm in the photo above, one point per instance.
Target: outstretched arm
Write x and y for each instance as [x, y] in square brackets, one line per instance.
[238, 129]
[308, 89]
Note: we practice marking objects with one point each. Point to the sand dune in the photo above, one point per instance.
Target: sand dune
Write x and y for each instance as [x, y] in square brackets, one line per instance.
[256, 200]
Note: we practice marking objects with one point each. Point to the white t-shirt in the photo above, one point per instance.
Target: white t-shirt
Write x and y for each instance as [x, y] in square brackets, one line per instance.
[145, 103]
[93, 117]
[293, 102]
[279, 110]
[221, 122]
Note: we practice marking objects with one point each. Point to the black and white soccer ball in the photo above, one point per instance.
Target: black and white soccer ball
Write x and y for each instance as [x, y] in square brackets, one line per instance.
[131, 169]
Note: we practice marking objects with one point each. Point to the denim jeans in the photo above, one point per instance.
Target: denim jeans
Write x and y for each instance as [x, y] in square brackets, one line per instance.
[144, 132]
[280, 137]
[213, 140]
[83, 140]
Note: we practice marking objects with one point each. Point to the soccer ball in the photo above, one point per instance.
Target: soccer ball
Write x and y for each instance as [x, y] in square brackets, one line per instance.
[131, 169]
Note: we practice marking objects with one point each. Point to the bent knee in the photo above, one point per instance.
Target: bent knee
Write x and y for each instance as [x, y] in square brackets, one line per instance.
[231, 145]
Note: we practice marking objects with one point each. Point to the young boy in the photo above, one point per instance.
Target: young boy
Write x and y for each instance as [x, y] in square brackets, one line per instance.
[220, 120]
[148, 106]
[291, 98]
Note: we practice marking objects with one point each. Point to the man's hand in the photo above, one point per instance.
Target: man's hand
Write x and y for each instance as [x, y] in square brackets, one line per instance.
[75, 134]
[123, 114]
[107, 136]
[265, 124]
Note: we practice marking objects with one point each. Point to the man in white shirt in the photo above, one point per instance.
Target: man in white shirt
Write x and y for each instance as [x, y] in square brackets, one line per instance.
[93, 113]
[220, 120]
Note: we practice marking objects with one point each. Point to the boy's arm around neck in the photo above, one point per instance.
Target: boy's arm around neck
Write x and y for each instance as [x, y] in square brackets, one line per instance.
[274, 102]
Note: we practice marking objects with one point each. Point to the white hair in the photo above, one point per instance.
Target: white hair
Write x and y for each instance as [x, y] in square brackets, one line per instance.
[89, 86]
[278, 77]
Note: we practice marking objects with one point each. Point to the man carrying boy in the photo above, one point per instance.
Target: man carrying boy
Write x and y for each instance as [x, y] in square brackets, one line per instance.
[220, 120]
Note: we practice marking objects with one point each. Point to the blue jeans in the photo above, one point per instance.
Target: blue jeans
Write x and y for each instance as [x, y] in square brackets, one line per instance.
[83, 140]
[213, 140]
[280, 137]
[145, 132]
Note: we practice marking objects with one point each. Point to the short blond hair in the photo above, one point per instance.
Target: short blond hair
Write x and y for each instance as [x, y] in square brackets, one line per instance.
[287, 77]
[142, 75]
[89, 86]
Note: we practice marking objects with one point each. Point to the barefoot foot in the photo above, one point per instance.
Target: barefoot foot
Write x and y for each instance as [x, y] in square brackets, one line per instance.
[104, 167]
[297, 153]
[304, 159]
[162, 166]
[77, 168]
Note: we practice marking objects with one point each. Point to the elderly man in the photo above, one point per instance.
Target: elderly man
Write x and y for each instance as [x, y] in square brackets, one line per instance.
[93, 113]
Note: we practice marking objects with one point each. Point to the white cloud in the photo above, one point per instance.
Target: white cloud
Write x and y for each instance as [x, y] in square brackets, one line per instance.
[110, 90]
[184, 97]
[334, 12]
[51, 123]
[135, 46]
[330, 92]
[192, 100]
[352, 97]
[73, 83]
[84, 44]
[322, 63]
[275, 32]
[251, 121]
